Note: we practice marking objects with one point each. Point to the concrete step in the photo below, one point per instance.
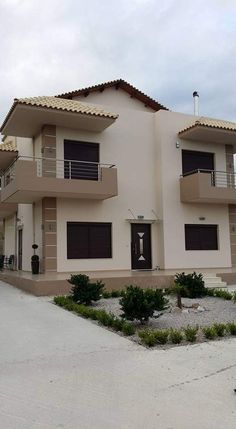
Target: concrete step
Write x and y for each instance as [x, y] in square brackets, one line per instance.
[216, 285]
[212, 279]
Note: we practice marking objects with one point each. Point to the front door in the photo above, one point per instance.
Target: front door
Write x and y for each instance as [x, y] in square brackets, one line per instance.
[20, 242]
[141, 258]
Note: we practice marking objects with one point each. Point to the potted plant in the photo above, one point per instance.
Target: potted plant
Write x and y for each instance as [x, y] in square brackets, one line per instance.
[35, 261]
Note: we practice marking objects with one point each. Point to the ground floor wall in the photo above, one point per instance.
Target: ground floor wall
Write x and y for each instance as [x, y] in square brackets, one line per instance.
[98, 211]
[10, 236]
[175, 255]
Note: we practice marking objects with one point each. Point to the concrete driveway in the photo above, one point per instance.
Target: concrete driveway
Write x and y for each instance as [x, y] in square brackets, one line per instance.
[60, 371]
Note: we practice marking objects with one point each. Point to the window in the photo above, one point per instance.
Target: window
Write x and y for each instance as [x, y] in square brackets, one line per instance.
[201, 237]
[195, 160]
[81, 160]
[87, 240]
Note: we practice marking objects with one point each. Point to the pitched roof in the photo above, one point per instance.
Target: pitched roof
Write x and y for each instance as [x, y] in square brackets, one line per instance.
[62, 104]
[119, 83]
[211, 123]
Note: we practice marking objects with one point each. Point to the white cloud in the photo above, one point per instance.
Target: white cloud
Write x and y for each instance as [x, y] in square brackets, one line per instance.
[168, 50]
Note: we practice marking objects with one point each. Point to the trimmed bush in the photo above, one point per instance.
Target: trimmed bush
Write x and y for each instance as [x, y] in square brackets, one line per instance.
[221, 293]
[148, 339]
[209, 332]
[128, 329]
[117, 324]
[191, 334]
[220, 329]
[210, 291]
[106, 294]
[84, 291]
[175, 336]
[161, 336]
[140, 304]
[191, 285]
[231, 326]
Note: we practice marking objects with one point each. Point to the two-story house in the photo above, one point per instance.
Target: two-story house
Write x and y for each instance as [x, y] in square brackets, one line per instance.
[106, 178]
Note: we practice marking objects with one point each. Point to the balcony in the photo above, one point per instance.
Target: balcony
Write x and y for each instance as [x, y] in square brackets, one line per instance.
[30, 179]
[208, 186]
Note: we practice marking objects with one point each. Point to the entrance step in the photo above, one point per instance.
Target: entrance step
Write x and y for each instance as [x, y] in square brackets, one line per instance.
[212, 281]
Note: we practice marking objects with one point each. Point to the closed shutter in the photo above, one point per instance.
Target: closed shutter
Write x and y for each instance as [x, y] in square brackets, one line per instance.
[87, 153]
[201, 237]
[194, 160]
[87, 240]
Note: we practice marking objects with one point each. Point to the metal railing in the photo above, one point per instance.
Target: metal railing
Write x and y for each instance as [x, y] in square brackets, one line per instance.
[59, 168]
[219, 179]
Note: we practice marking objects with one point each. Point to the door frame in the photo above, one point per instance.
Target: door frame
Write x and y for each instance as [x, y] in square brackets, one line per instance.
[19, 257]
[150, 245]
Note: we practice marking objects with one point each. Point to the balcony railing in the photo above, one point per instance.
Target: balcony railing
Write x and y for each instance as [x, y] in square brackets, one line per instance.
[59, 168]
[219, 179]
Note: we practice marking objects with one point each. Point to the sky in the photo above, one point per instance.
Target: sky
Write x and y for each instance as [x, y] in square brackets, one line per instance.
[166, 48]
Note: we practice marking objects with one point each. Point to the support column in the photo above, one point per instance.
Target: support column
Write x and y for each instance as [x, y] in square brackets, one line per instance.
[49, 151]
[49, 219]
[229, 153]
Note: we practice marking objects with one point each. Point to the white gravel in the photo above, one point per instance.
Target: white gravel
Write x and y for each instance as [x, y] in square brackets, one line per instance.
[217, 310]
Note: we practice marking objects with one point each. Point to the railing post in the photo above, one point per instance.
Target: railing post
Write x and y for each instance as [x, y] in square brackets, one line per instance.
[69, 169]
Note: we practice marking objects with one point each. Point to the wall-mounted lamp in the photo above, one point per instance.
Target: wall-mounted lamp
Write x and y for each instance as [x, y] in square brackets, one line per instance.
[177, 145]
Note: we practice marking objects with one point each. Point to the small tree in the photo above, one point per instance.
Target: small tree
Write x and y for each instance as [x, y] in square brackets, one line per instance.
[191, 285]
[140, 304]
[177, 290]
[83, 290]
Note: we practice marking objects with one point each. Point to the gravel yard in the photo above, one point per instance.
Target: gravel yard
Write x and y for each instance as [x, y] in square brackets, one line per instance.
[213, 310]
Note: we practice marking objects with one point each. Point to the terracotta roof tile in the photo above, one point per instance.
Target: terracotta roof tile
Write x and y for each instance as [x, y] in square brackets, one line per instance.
[119, 83]
[66, 105]
[211, 123]
[8, 147]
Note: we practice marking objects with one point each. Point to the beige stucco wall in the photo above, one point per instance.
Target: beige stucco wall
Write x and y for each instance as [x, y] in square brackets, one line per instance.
[38, 227]
[114, 99]
[9, 236]
[129, 144]
[174, 213]
[25, 146]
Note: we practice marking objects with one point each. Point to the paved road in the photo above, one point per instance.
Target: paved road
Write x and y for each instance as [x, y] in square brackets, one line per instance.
[60, 371]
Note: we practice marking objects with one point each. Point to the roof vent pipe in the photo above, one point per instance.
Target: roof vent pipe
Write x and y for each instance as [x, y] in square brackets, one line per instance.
[196, 103]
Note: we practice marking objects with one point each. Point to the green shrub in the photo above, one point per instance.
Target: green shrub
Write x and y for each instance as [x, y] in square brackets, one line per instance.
[231, 326]
[221, 293]
[192, 285]
[104, 318]
[84, 291]
[148, 339]
[220, 329]
[106, 294]
[143, 332]
[60, 300]
[191, 333]
[210, 291]
[115, 294]
[234, 296]
[128, 329]
[117, 324]
[140, 304]
[209, 332]
[175, 336]
[161, 336]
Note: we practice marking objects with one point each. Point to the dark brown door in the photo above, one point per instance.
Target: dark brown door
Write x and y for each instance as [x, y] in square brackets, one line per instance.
[83, 159]
[141, 258]
[20, 242]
